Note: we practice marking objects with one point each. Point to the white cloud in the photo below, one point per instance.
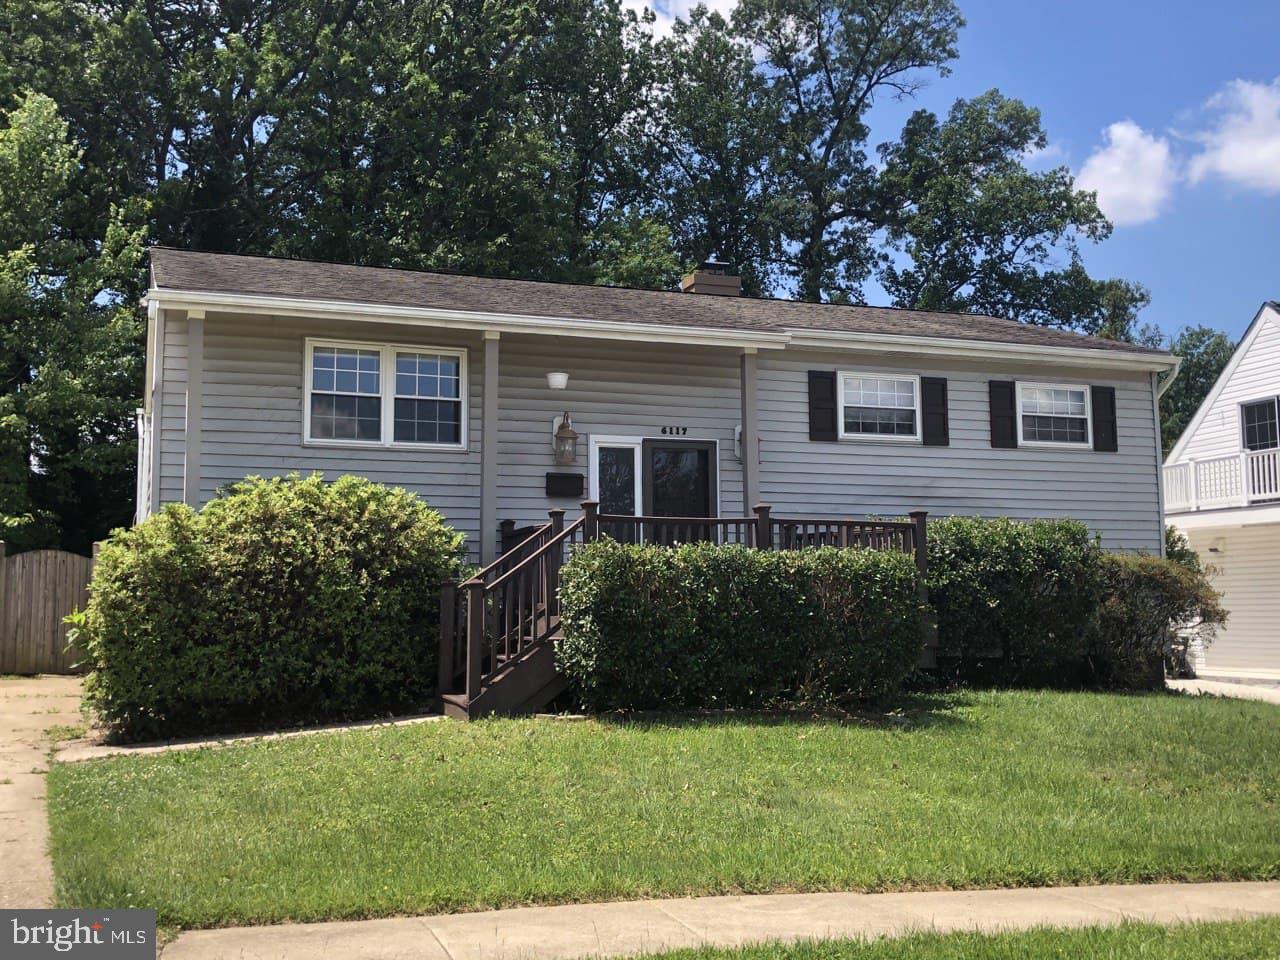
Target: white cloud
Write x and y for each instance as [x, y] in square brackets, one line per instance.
[667, 11]
[1243, 147]
[1133, 174]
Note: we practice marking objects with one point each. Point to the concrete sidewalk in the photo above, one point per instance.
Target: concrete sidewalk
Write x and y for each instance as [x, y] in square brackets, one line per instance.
[1267, 693]
[28, 707]
[620, 929]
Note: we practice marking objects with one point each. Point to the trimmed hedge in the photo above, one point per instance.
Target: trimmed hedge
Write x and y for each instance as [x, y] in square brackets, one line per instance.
[1141, 600]
[1015, 600]
[699, 626]
[283, 601]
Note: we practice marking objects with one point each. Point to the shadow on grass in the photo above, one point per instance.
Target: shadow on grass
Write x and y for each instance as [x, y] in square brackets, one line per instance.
[907, 713]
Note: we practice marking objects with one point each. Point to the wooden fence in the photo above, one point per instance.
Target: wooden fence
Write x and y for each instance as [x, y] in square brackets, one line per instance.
[38, 589]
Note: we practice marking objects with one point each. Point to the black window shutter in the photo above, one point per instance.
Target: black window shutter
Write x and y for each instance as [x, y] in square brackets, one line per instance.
[1104, 419]
[822, 405]
[933, 404]
[1004, 423]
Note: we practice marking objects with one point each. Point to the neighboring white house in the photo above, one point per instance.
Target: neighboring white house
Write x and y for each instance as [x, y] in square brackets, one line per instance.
[687, 404]
[1222, 489]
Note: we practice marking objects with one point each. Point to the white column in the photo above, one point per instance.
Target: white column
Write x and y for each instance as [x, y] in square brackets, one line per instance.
[195, 401]
[750, 430]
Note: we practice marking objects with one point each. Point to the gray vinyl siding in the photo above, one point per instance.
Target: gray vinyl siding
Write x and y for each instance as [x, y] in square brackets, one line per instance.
[615, 388]
[1116, 494]
[251, 421]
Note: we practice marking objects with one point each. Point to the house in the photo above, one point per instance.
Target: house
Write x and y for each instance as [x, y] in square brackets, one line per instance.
[1222, 490]
[504, 402]
[693, 403]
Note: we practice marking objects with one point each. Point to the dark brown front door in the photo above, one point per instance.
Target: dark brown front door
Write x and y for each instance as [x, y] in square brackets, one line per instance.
[679, 481]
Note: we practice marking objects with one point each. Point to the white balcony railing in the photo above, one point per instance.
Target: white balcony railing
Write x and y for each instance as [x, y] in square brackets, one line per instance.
[1232, 481]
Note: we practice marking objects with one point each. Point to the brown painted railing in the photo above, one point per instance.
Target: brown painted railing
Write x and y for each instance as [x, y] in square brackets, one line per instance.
[513, 604]
[505, 609]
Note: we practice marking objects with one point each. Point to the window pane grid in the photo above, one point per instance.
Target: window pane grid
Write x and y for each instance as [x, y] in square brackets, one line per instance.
[877, 392]
[341, 370]
[1261, 429]
[428, 376]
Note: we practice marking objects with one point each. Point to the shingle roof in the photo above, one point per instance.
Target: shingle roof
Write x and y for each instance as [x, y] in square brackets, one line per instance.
[305, 279]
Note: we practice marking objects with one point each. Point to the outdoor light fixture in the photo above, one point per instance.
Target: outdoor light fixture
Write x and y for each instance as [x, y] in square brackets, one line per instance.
[557, 381]
[564, 440]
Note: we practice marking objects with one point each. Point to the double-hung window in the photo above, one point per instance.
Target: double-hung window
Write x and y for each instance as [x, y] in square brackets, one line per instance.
[1054, 414]
[880, 407]
[346, 394]
[428, 398]
[1260, 423]
[382, 394]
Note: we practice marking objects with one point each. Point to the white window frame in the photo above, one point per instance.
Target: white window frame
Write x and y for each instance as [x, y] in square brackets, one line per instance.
[1086, 444]
[916, 437]
[1275, 404]
[593, 467]
[387, 393]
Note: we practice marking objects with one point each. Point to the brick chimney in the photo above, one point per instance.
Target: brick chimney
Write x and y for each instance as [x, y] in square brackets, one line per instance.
[714, 278]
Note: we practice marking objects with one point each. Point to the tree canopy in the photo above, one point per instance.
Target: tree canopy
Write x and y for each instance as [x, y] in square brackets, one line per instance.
[552, 139]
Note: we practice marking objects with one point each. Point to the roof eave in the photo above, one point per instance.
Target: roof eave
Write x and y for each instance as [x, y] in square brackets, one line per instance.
[177, 299]
[465, 319]
[983, 349]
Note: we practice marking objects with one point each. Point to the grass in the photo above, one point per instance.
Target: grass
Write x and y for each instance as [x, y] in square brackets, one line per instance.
[1234, 940]
[971, 790]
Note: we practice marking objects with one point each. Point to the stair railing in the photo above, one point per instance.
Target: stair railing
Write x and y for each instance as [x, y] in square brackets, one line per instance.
[489, 621]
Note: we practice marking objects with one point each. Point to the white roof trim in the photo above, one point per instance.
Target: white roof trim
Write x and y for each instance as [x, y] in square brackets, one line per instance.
[1255, 326]
[981, 349]
[672, 333]
[461, 319]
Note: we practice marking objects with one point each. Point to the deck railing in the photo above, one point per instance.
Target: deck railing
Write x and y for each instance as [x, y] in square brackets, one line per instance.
[511, 606]
[1235, 480]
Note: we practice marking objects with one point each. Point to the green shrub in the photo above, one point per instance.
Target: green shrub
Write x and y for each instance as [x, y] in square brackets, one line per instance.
[701, 626]
[1014, 600]
[1149, 609]
[286, 600]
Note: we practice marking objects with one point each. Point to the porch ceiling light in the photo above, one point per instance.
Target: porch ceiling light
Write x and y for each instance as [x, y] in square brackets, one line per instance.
[564, 441]
[557, 381]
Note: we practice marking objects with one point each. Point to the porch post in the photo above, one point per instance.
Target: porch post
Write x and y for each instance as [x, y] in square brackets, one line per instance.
[750, 429]
[195, 401]
[489, 452]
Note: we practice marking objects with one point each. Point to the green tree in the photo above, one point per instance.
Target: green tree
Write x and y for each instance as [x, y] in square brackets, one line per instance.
[710, 139]
[826, 62]
[69, 343]
[979, 232]
[1204, 352]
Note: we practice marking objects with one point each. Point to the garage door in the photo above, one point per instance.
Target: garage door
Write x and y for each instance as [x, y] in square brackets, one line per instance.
[1248, 562]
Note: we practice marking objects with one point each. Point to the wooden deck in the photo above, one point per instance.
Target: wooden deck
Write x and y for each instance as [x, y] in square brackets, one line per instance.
[498, 629]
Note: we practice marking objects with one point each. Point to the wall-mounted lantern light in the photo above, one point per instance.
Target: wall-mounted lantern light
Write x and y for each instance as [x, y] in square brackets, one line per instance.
[557, 381]
[564, 440]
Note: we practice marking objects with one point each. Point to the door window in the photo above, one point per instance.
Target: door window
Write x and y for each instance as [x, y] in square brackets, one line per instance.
[617, 480]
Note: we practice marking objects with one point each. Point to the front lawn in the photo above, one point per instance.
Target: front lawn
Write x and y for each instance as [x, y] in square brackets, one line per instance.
[975, 789]
[1234, 940]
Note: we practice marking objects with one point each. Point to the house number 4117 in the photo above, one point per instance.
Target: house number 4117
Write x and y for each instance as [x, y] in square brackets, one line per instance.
[675, 431]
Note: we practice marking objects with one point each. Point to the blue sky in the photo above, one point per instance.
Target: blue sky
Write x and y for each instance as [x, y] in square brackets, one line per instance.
[1171, 111]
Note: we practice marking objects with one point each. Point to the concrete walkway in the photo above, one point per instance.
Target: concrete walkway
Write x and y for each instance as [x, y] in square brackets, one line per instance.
[1265, 692]
[73, 751]
[28, 707]
[621, 929]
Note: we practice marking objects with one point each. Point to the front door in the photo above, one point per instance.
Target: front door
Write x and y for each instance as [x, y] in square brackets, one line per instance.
[679, 481]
